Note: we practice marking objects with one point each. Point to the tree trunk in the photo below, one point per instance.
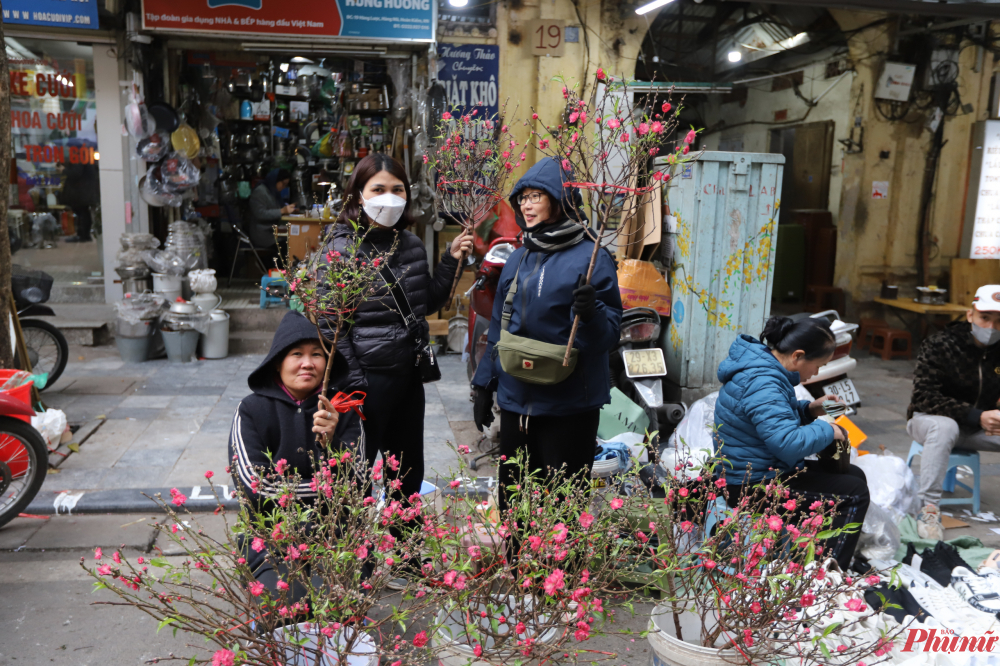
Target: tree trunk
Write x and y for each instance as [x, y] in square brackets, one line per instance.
[6, 155]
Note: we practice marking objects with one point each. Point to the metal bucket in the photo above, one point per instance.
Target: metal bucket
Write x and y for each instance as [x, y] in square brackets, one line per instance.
[135, 285]
[215, 343]
[181, 345]
[168, 285]
[133, 350]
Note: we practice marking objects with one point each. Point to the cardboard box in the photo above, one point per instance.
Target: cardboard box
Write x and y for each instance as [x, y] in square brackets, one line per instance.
[304, 235]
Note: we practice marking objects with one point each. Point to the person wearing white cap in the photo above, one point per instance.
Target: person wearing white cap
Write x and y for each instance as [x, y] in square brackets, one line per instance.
[956, 388]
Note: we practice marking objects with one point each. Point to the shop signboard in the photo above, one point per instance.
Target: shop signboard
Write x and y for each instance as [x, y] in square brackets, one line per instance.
[57, 13]
[396, 20]
[981, 231]
[470, 74]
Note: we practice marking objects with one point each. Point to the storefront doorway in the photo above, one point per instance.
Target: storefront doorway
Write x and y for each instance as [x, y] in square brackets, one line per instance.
[56, 214]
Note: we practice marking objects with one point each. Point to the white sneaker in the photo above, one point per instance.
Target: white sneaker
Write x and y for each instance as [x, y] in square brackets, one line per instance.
[976, 590]
[929, 523]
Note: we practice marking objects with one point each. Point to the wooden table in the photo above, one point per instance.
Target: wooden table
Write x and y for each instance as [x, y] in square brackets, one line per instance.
[304, 233]
[922, 314]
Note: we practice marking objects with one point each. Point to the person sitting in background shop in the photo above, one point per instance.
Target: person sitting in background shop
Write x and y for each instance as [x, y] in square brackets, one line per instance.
[956, 386]
[266, 208]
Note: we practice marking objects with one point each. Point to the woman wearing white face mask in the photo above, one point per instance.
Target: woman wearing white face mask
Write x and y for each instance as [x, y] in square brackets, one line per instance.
[380, 350]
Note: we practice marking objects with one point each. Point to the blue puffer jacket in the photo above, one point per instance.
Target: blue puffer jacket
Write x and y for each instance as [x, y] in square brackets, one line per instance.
[760, 421]
[543, 311]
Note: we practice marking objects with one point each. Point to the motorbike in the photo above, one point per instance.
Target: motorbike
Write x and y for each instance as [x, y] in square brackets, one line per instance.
[481, 297]
[23, 458]
[47, 348]
[832, 378]
[638, 368]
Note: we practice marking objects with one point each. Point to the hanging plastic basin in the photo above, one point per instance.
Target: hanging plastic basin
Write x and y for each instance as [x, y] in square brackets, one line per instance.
[22, 393]
[133, 350]
[181, 345]
[363, 653]
[668, 650]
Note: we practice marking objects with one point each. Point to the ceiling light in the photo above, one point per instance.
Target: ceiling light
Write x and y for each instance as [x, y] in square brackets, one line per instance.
[283, 66]
[458, 3]
[650, 6]
[97, 156]
[301, 59]
[735, 56]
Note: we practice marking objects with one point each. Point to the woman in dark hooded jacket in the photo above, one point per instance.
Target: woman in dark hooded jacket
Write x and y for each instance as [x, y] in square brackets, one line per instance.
[281, 417]
[380, 350]
[554, 424]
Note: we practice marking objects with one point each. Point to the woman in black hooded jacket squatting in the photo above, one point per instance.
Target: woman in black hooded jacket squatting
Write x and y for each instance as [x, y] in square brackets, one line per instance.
[280, 420]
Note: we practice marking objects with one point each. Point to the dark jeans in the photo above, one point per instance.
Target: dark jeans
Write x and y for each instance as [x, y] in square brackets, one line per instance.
[550, 442]
[812, 484]
[394, 425]
[83, 222]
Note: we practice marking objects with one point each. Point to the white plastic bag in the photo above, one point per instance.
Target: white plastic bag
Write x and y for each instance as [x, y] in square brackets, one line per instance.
[52, 424]
[879, 535]
[692, 441]
[890, 483]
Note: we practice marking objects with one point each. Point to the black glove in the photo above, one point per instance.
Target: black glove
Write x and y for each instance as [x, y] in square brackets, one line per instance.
[482, 408]
[584, 300]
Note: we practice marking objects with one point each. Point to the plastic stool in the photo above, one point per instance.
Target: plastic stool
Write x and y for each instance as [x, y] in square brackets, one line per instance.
[865, 329]
[266, 298]
[957, 457]
[883, 339]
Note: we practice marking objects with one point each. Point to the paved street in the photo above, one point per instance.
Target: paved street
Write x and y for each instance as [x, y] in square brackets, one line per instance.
[163, 425]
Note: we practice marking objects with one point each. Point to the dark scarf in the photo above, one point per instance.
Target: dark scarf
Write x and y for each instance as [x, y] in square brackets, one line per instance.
[554, 237]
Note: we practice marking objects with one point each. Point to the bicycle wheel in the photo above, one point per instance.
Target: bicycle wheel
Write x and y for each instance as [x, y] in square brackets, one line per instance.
[47, 348]
[24, 462]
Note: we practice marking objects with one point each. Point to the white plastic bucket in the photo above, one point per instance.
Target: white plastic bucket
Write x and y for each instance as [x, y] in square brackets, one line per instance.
[215, 343]
[363, 652]
[451, 652]
[667, 650]
[168, 285]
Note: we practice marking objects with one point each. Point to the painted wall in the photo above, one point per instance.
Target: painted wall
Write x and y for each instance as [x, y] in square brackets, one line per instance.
[751, 122]
[610, 37]
[877, 237]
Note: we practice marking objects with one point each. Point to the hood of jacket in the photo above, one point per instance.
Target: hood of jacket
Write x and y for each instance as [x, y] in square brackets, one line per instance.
[745, 354]
[549, 176]
[293, 329]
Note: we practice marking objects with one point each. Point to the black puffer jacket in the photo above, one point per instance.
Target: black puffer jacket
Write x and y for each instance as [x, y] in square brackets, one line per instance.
[378, 341]
[954, 377]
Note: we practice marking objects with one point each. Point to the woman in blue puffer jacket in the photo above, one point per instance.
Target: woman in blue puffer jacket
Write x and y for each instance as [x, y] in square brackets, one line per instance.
[764, 431]
[554, 425]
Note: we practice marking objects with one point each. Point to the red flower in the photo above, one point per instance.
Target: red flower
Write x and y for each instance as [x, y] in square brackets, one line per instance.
[600, 74]
[420, 640]
[666, 107]
[445, 116]
[209, 474]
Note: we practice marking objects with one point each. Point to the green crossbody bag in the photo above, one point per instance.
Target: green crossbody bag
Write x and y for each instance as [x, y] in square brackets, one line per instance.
[528, 360]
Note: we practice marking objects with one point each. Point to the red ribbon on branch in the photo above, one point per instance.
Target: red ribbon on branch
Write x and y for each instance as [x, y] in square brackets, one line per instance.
[345, 402]
[610, 186]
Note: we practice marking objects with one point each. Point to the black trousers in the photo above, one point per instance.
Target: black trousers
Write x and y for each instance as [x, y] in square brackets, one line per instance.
[813, 484]
[549, 442]
[83, 222]
[394, 425]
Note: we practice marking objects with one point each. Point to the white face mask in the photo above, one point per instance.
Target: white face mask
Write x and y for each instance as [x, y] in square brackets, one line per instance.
[986, 336]
[385, 209]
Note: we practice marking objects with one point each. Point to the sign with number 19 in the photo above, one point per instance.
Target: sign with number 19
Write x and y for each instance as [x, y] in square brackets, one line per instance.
[545, 37]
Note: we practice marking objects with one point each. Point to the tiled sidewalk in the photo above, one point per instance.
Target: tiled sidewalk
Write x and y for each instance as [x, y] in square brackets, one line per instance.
[168, 423]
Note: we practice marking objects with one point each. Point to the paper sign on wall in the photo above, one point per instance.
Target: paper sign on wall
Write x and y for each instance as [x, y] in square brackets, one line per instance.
[880, 189]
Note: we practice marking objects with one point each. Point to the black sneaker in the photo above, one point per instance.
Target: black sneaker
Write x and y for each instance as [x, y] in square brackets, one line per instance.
[937, 568]
[949, 555]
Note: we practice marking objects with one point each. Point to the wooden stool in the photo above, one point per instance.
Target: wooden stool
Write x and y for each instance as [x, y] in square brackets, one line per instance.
[817, 297]
[865, 329]
[883, 339]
